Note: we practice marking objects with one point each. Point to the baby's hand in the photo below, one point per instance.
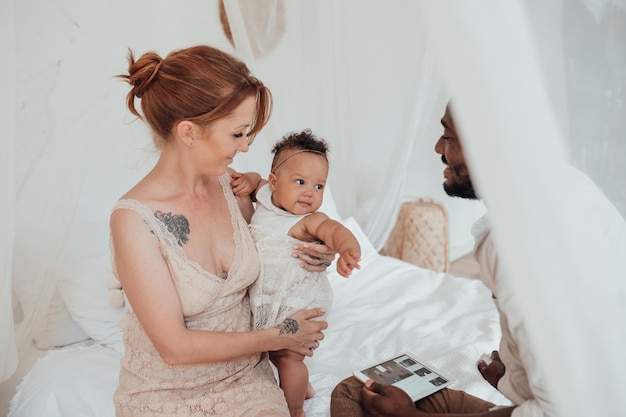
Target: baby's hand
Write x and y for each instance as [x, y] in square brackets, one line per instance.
[244, 184]
[348, 261]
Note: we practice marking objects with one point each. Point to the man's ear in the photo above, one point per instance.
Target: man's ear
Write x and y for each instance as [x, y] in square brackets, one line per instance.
[271, 180]
[185, 131]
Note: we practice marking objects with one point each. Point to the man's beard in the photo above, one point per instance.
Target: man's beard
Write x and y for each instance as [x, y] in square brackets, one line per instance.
[461, 186]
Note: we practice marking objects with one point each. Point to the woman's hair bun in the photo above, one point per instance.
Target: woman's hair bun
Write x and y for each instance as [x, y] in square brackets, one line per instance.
[143, 71]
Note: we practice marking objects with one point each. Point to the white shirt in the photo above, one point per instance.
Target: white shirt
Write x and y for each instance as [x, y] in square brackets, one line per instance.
[522, 383]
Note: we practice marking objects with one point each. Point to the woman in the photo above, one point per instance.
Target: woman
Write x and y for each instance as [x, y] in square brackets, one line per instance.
[184, 255]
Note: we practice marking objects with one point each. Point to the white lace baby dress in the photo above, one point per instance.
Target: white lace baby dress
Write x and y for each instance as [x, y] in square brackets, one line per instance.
[283, 287]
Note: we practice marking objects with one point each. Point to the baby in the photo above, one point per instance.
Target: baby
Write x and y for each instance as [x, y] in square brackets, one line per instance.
[286, 213]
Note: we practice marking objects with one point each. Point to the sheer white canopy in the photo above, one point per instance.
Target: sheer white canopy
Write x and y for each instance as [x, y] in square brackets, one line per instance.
[564, 253]
[537, 86]
[8, 350]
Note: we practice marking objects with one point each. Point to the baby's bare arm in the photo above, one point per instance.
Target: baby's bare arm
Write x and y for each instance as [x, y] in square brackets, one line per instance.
[245, 183]
[347, 262]
[337, 237]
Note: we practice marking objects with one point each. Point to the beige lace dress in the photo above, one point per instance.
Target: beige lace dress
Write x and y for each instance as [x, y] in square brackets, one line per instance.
[240, 387]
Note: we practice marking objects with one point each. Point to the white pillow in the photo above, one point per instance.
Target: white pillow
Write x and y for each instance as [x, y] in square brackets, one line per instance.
[83, 286]
[58, 328]
[367, 248]
[368, 253]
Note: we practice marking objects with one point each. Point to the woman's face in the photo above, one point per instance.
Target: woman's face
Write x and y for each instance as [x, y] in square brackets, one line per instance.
[298, 184]
[225, 138]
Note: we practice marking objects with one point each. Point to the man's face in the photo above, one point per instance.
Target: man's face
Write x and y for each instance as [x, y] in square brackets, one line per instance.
[457, 179]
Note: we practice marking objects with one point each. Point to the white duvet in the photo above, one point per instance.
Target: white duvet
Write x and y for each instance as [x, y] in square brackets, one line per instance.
[386, 307]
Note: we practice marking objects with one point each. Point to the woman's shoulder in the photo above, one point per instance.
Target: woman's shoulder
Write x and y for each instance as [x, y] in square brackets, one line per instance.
[145, 190]
[150, 194]
[128, 211]
[138, 202]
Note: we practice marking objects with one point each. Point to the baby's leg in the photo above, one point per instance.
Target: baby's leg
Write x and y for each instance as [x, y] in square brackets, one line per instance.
[294, 379]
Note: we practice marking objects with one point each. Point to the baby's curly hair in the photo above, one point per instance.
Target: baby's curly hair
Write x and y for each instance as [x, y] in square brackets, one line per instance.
[304, 140]
[299, 141]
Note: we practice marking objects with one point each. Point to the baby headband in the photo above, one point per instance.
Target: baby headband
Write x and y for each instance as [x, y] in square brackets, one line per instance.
[295, 153]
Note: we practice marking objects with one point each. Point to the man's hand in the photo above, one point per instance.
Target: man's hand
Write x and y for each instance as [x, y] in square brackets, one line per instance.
[386, 401]
[492, 371]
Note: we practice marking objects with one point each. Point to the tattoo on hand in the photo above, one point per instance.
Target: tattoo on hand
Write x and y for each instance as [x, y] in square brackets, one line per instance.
[177, 224]
[289, 325]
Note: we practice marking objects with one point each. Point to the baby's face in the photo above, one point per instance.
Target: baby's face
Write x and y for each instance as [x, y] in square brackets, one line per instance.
[298, 184]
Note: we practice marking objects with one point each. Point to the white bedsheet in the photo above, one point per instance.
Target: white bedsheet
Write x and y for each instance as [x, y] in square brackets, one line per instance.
[387, 307]
[390, 307]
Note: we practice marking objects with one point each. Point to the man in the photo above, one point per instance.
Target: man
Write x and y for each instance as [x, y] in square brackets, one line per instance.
[352, 398]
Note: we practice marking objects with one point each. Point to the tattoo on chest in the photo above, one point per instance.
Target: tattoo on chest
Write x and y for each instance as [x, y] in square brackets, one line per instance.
[288, 326]
[177, 224]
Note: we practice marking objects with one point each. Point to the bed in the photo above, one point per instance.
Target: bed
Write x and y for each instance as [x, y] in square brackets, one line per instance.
[386, 307]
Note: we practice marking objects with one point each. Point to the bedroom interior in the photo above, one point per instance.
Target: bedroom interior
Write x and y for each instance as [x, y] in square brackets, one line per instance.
[373, 78]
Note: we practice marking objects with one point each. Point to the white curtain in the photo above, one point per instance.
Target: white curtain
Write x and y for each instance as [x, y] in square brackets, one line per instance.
[8, 351]
[338, 75]
[346, 76]
[76, 149]
[537, 88]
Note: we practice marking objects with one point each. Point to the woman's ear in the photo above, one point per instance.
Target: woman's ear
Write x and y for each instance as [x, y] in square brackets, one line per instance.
[185, 131]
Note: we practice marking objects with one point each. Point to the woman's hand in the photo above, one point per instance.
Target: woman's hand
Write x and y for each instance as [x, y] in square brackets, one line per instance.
[315, 257]
[386, 401]
[301, 334]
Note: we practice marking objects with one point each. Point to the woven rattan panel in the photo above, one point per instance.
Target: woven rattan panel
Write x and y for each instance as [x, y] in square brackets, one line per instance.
[420, 235]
